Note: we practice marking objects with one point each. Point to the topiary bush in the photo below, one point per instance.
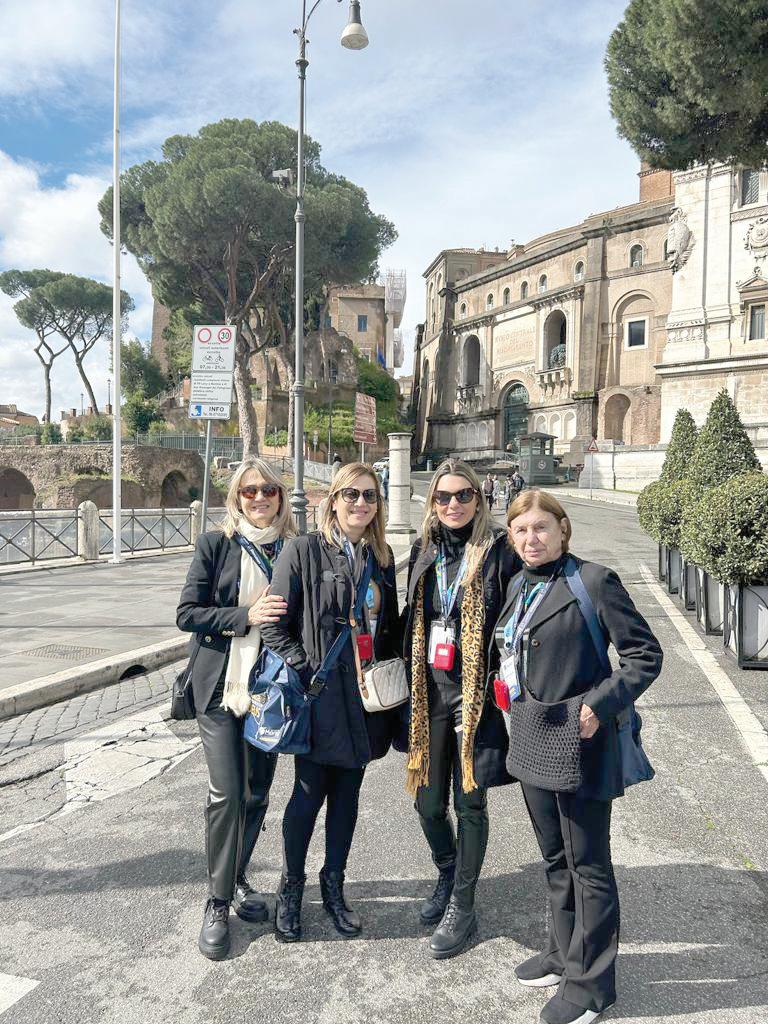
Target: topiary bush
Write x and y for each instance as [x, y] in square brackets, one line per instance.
[680, 448]
[727, 529]
[722, 449]
[670, 500]
[647, 501]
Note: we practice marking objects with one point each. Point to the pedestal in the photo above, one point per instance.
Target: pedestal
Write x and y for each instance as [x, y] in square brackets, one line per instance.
[400, 532]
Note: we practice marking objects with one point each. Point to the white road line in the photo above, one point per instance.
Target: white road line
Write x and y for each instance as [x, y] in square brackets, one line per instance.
[13, 988]
[752, 732]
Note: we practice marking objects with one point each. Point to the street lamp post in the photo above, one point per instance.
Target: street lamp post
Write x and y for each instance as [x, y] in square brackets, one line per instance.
[117, 454]
[354, 37]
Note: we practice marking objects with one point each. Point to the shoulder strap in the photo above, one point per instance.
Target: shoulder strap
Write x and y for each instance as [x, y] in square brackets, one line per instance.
[576, 585]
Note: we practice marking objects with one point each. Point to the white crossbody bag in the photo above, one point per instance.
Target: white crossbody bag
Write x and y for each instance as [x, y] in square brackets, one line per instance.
[384, 685]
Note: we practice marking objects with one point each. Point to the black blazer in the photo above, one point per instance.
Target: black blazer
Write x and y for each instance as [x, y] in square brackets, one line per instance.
[562, 662]
[213, 618]
[500, 565]
[315, 579]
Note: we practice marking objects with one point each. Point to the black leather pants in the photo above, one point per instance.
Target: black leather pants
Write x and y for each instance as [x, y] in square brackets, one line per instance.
[468, 851]
[239, 778]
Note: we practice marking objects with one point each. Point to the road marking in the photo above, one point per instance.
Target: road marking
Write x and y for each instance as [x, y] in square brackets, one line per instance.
[752, 732]
[13, 988]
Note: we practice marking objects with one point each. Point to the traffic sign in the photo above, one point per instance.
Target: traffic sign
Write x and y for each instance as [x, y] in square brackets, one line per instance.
[365, 419]
[208, 411]
[592, 446]
[211, 387]
[213, 348]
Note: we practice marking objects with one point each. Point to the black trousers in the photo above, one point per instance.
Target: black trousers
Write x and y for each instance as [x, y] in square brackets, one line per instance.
[239, 779]
[574, 836]
[313, 785]
[468, 851]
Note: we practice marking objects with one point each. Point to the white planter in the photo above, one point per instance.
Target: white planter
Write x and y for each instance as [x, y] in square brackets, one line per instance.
[745, 626]
[673, 570]
[710, 603]
[662, 562]
[687, 585]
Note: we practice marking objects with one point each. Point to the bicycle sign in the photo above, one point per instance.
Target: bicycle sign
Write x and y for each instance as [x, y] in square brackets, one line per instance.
[213, 348]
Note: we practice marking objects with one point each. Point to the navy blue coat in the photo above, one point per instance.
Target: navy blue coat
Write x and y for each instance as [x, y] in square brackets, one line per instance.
[315, 579]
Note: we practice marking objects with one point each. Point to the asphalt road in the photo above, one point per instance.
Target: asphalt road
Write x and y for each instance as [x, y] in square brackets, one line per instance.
[103, 902]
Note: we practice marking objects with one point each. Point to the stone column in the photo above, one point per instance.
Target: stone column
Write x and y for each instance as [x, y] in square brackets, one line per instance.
[196, 521]
[399, 530]
[88, 531]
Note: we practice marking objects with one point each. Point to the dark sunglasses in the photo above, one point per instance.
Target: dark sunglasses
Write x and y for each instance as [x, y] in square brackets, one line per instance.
[464, 496]
[351, 494]
[265, 490]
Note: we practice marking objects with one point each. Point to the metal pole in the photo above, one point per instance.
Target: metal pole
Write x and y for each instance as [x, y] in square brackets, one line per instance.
[330, 412]
[207, 472]
[117, 494]
[298, 498]
[591, 464]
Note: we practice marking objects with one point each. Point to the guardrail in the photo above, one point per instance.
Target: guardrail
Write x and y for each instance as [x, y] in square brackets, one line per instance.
[147, 529]
[38, 535]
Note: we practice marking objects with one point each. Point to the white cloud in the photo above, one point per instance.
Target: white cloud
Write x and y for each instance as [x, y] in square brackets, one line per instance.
[58, 228]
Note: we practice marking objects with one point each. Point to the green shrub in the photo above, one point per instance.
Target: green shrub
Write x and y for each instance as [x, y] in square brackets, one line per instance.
[726, 530]
[140, 414]
[660, 510]
[680, 448]
[50, 434]
[279, 440]
[722, 448]
[647, 501]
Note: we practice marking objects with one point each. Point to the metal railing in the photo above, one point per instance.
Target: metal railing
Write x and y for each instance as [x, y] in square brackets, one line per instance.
[38, 535]
[227, 447]
[147, 529]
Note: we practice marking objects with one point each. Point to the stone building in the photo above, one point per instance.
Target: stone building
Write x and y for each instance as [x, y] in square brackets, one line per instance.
[11, 417]
[561, 335]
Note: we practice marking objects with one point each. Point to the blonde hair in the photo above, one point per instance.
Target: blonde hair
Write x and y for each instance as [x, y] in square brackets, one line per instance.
[374, 531]
[482, 537]
[534, 498]
[283, 521]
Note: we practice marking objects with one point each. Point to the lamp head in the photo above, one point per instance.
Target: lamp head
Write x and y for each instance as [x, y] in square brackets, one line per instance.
[354, 36]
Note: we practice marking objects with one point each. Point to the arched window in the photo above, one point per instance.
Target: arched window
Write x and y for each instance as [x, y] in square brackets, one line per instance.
[616, 409]
[636, 256]
[515, 416]
[472, 435]
[506, 296]
[555, 340]
[463, 309]
[461, 436]
[489, 301]
[554, 424]
[524, 290]
[471, 361]
[543, 283]
[750, 187]
[578, 271]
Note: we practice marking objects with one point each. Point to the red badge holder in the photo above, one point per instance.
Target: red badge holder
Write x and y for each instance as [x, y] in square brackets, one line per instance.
[365, 646]
[501, 694]
[445, 656]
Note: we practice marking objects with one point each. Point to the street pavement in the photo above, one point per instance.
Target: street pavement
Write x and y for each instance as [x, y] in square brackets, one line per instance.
[103, 868]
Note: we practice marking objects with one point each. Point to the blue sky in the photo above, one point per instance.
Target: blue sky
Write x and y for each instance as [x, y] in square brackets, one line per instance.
[467, 124]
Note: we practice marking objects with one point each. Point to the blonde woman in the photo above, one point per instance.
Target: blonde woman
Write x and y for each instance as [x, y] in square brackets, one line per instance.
[458, 575]
[320, 576]
[225, 602]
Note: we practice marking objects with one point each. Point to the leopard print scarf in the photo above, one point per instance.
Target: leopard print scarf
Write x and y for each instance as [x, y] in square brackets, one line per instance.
[472, 684]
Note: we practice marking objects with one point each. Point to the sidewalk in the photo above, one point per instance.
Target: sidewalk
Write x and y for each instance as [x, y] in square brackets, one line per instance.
[598, 494]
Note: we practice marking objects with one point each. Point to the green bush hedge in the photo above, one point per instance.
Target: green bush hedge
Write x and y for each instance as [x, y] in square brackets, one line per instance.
[646, 509]
[660, 510]
[725, 531]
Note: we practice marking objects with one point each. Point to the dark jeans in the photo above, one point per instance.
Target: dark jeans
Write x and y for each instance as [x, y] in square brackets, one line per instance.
[239, 778]
[466, 853]
[574, 836]
[314, 784]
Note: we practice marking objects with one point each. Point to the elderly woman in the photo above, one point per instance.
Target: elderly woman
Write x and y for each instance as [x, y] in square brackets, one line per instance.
[225, 602]
[323, 576]
[552, 639]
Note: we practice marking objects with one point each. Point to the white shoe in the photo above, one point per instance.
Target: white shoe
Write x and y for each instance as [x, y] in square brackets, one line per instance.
[545, 981]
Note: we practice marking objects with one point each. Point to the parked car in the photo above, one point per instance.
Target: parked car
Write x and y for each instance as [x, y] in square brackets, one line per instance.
[379, 466]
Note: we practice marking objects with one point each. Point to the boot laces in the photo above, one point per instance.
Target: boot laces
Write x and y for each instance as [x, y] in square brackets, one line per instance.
[443, 887]
[450, 914]
[218, 911]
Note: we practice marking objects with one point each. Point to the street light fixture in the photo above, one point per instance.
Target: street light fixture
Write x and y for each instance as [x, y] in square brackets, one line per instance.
[354, 37]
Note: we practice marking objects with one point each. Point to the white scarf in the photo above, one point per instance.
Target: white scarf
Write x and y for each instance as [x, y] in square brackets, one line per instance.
[244, 650]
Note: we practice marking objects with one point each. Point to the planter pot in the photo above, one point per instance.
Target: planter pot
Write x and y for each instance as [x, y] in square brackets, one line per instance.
[687, 585]
[662, 561]
[745, 627]
[673, 571]
[710, 603]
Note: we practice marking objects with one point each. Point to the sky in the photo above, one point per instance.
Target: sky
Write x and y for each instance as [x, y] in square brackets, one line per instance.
[467, 124]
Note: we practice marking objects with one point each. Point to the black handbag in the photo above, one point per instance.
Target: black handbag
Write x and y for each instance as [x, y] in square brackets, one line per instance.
[182, 695]
[544, 742]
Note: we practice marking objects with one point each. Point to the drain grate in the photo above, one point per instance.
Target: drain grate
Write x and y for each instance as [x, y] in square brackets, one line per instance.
[70, 652]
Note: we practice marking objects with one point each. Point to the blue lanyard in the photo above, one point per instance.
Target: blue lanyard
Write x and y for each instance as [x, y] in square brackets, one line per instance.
[525, 609]
[259, 555]
[448, 594]
[363, 592]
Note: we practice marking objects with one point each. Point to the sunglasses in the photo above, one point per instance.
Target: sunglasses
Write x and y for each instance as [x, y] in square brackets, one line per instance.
[351, 495]
[464, 496]
[265, 490]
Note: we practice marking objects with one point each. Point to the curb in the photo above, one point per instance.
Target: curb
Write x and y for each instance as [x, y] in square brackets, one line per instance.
[578, 495]
[50, 689]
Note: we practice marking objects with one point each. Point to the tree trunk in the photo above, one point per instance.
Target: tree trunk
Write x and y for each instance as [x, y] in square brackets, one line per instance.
[249, 428]
[47, 372]
[86, 382]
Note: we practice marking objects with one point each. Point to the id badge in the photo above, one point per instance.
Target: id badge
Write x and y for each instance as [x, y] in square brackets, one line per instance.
[365, 646]
[441, 636]
[508, 672]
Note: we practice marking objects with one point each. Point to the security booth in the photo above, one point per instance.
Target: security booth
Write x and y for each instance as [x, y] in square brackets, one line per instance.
[537, 459]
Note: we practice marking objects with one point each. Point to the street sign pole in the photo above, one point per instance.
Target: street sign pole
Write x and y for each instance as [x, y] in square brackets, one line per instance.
[207, 470]
[362, 451]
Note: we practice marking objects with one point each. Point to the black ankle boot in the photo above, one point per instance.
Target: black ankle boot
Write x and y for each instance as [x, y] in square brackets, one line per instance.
[433, 909]
[288, 908]
[345, 920]
[214, 935]
[247, 905]
[454, 933]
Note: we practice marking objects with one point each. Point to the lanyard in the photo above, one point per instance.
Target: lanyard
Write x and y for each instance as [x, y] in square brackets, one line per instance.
[525, 609]
[448, 594]
[259, 555]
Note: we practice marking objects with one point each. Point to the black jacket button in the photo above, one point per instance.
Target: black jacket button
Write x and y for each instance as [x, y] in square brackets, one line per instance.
[535, 642]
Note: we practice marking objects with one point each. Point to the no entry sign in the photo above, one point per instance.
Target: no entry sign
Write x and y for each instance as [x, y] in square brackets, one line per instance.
[213, 348]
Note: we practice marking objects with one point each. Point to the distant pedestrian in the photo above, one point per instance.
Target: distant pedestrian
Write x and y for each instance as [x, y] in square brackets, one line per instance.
[336, 464]
[517, 482]
[385, 481]
[488, 490]
[224, 603]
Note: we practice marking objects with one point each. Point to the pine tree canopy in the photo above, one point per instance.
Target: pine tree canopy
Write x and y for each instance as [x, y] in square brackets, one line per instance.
[722, 448]
[680, 447]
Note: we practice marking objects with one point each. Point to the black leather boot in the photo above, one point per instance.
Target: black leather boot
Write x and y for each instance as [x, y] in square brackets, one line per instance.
[288, 908]
[247, 905]
[345, 920]
[433, 909]
[214, 935]
[454, 933]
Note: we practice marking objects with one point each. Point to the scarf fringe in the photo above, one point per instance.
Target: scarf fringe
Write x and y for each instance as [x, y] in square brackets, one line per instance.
[417, 772]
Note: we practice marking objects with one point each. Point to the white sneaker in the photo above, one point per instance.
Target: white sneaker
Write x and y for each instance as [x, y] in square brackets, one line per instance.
[545, 981]
[529, 973]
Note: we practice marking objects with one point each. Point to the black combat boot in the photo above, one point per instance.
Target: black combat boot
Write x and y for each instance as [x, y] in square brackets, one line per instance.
[433, 909]
[247, 905]
[288, 908]
[455, 932]
[214, 935]
[345, 920]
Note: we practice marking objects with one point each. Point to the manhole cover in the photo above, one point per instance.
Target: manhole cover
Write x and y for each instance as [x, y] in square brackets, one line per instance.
[71, 652]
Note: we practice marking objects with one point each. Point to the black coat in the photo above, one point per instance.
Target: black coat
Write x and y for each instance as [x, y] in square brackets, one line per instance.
[213, 618]
[561, 662]
[500, 565]
[315, 579]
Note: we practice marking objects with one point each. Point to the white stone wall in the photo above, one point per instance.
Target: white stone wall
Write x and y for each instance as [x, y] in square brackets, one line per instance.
[630, 469]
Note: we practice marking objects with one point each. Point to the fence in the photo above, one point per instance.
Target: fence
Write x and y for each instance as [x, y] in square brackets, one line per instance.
[38, 535]
[147, 529]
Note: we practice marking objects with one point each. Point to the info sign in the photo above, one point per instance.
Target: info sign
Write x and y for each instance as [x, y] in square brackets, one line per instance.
[365, 419]
[213, 363]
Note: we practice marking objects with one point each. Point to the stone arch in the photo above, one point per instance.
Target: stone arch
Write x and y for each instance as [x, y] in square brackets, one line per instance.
[514, 405]
[540, 424]
[99, 491]
[174, 490]
[472, 435]
[569, 425]
[555, 340]
[461, 436]
[482, 435]
[555, 425]
[16, 490]
[616, 421]
[471, 361]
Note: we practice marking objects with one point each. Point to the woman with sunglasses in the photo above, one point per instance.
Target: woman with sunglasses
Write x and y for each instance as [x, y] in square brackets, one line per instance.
[457, 578]
[225, 603]
[321, 575]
